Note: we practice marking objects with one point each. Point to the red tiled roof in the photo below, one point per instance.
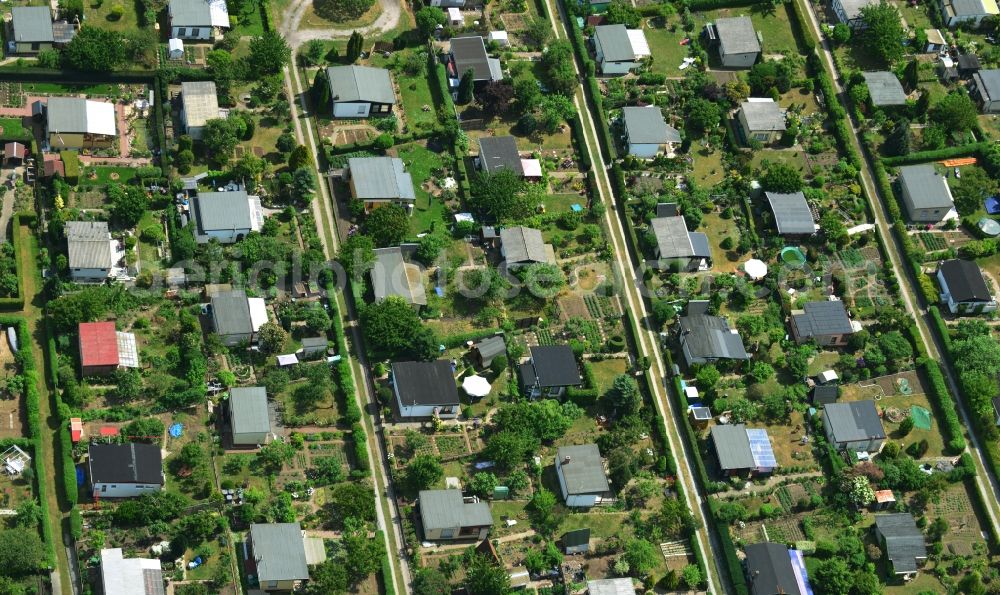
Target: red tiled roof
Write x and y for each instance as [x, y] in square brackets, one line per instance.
[14, 150]
[98, 344]
[53, 167]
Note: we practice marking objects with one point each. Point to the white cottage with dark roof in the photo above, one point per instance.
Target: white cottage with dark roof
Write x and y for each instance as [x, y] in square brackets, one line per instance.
[738, 44]
[249, 417]
[227, 216]
[646, 132]
[360, 91]
[761, 120]
[583, 479]
[425, 389]
[198, 20]
[926, 194]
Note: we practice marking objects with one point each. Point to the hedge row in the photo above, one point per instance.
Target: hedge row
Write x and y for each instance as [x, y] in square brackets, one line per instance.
[440, 90]
[17, 302]
[360, 442]
[940, 326]
[576, 127]
[939, 395]
[589, 70]
[369, 145]
[453, 341]
[696, 5]
[921, 156]
[387, 583]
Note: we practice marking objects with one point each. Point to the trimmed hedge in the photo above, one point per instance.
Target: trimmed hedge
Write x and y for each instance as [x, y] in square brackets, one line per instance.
[921, 156]
[17, 302]
[589, 70]
[576, 127]
[454, 341]
[387, 583]
[360, 442]
[939, 395]
[71, 165]
[940, 326]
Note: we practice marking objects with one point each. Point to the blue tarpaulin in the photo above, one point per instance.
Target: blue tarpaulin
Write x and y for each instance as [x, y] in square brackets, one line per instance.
[576, 208]
[992, 205]
[176, 430]
[80, 477]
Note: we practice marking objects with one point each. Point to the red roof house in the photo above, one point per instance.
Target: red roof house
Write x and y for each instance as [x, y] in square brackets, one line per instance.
[98, 348]
[76, 429]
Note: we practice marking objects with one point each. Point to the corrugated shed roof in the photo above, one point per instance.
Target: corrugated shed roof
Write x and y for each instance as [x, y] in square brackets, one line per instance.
[200, 101]
[884, 88]
[904, 542]
[584, 473]
[392, 275]
[615, 43]
[732, 447]
[989, 80]
[360, 83]
[279, 552]
[710, 337]
[75, 115]
[446, 509]
[737, 35]
[763, 115]
[219, 211]
[672, 237]
[32, 24]
[198, 13]
[380, 178]
[924, 188]
[646, 125]
[98, 344]
[89, 245]
[792, 214]
[523, 244]
[854, 421]
[469, 53]
[611, 586]
[248, 410]
[231, 313]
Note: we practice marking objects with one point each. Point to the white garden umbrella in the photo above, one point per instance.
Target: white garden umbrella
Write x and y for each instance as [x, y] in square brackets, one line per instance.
[756, 269]
[476, 386]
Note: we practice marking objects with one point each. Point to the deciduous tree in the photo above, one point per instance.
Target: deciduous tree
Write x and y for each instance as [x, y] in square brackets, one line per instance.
[884, 31]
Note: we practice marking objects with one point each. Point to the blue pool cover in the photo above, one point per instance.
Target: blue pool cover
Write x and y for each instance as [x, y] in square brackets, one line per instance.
[176, 430]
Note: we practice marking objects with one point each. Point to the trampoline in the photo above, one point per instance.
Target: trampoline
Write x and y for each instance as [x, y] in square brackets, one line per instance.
[793, 257]
[921, 417]
[176, 430]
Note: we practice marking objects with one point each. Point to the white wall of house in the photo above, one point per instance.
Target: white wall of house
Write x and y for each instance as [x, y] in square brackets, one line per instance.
[124, 490]
[351, 110]
[644, 151]
[226, 236]
[963, 307]
[420, 410]
[738, 60]
[250, 438]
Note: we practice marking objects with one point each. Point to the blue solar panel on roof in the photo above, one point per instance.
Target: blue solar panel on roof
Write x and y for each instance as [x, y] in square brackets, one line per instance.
[760, 447]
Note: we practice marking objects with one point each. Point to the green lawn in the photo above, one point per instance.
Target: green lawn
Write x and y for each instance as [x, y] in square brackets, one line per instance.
[773, 24]
[606, 371]
[148, 256]
[428, 212]
[414, 90]
[106, 174]
[708, 169]
[99, 13]
[249, 23]
[14, 128]
[668, 53]
[792, 157]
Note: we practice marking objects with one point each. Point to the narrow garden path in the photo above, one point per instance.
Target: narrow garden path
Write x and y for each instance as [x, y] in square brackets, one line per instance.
[49, 421]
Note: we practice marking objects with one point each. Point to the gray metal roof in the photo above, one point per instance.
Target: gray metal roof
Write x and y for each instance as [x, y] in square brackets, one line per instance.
[737, 35]
[854, 421]
[710, 337]
[198, 13]
[584, 474]
[380, 178]
[904, 542]
[828, 317]
[615, 43]
[279, 552]
[988, 81]
[360, 83]
[248, 408]
[231, 313]
[425, 383]
[392, 275]
[884, 88]
[732, 447]
[523, 244]
[313, 342]
[200, 101]
[763, 115]
[646, 126]
[89, 245]
[672, 237]
[73, 115]
[32, 24]
[469, 53]
[491, 347]
[576, 537]
[699, 245]
[853, 7]
[792, 214]
[217, 211]
[496, 152]
[924, 188]
[611, 586]
[967, 7]
[446, 509]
